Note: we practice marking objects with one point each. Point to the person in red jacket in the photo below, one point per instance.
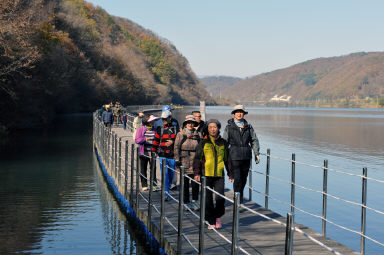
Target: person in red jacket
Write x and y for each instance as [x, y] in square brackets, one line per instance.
[163, 146]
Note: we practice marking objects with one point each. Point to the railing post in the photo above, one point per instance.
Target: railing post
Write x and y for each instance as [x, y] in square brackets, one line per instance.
[132, 172]
[151, 177]
[119, 160]
[250, 189]
[162, 209]
[181, 211]
[363, 210]
[235, 222]
[137, 177]
[106, 148]
[126, 170]
[289, 235]
[267, 171]
[325, 191]
[104, 137]
[110, 154]
[203, 194]
[293, 173]
[115, 155]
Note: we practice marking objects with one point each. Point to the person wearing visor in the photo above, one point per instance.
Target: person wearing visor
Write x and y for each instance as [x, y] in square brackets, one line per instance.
[174, 121]
[163, 145]
[242, 139]
[145, 136]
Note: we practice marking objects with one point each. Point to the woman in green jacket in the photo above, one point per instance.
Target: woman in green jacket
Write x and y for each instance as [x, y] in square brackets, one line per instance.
[211, 156]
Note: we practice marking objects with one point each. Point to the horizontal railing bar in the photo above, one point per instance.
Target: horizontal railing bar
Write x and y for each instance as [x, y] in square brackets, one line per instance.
[322, 167]
[321, 192]
[317, 216]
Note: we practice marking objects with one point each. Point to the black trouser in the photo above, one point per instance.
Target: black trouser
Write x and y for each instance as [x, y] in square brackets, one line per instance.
[195, 189]
[214, 211]
[143, 170]
[240, 169]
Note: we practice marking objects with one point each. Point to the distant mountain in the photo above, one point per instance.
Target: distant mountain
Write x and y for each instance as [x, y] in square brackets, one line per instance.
[65, 56]
[350, 80]
[216, 84]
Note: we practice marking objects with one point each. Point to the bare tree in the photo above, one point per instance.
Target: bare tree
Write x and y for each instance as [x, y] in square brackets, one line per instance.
[18, 21]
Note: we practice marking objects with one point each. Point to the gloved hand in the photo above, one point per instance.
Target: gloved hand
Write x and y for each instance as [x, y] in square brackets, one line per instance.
[178, 163]
[257, 158]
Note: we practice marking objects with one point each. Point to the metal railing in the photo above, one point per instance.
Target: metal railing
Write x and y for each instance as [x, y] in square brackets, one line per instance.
[106, 142]
[323, 192]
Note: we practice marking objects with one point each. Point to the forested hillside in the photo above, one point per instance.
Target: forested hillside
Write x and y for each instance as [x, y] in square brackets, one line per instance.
[65, 56]
[352, 80]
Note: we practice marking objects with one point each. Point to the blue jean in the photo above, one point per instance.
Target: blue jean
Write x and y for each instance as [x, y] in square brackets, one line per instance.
[169, 173]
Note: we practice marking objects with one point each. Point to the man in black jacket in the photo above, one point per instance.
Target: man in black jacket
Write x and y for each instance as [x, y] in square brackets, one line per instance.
[200, 123]
[242, 139]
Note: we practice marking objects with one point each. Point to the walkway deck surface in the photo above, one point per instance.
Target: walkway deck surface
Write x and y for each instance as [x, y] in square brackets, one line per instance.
[256, 234]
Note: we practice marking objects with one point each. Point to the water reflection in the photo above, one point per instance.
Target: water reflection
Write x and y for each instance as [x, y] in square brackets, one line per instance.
[53, 199]
[119, 232]
[349, 138]
[357, 134]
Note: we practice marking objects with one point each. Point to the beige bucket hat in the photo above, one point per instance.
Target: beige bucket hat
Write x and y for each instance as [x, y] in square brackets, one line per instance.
[189, 118]
[239, 107]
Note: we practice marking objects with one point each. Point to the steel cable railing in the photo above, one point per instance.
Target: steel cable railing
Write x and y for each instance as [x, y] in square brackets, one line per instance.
[111, 159]
[156, 209]
[266, 217]
[206, 222]
[325, 195]
[176, 200]
[320, 192]
[330, 169]
[266, 195]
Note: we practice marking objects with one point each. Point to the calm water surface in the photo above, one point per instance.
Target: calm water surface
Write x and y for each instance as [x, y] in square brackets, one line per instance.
[349, 139]
[54, 199]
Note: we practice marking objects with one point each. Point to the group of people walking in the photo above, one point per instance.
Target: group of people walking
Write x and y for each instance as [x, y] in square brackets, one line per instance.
[199, 147]
[113, 114]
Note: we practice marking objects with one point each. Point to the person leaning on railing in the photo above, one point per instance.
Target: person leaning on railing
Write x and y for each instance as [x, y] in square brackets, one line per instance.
[211, 156]
[242, 139]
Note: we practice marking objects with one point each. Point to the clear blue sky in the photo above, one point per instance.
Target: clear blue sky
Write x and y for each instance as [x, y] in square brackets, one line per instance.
[248, 37]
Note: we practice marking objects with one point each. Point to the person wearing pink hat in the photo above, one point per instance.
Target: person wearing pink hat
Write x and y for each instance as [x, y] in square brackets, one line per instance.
[145, 136]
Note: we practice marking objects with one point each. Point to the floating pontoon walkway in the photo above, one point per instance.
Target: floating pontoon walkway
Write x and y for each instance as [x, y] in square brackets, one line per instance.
[259, 231]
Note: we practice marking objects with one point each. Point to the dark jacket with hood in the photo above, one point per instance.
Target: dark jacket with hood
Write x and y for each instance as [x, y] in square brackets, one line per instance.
[241, 140]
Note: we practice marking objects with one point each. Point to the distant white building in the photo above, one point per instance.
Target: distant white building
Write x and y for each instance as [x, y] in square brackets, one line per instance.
[283, 98]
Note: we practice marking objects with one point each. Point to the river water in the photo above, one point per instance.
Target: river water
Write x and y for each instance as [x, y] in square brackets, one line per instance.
[55, 201]
[53, 197]
[350, 139]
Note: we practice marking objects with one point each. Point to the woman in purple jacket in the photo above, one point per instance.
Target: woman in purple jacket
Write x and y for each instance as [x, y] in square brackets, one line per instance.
[144, 137]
